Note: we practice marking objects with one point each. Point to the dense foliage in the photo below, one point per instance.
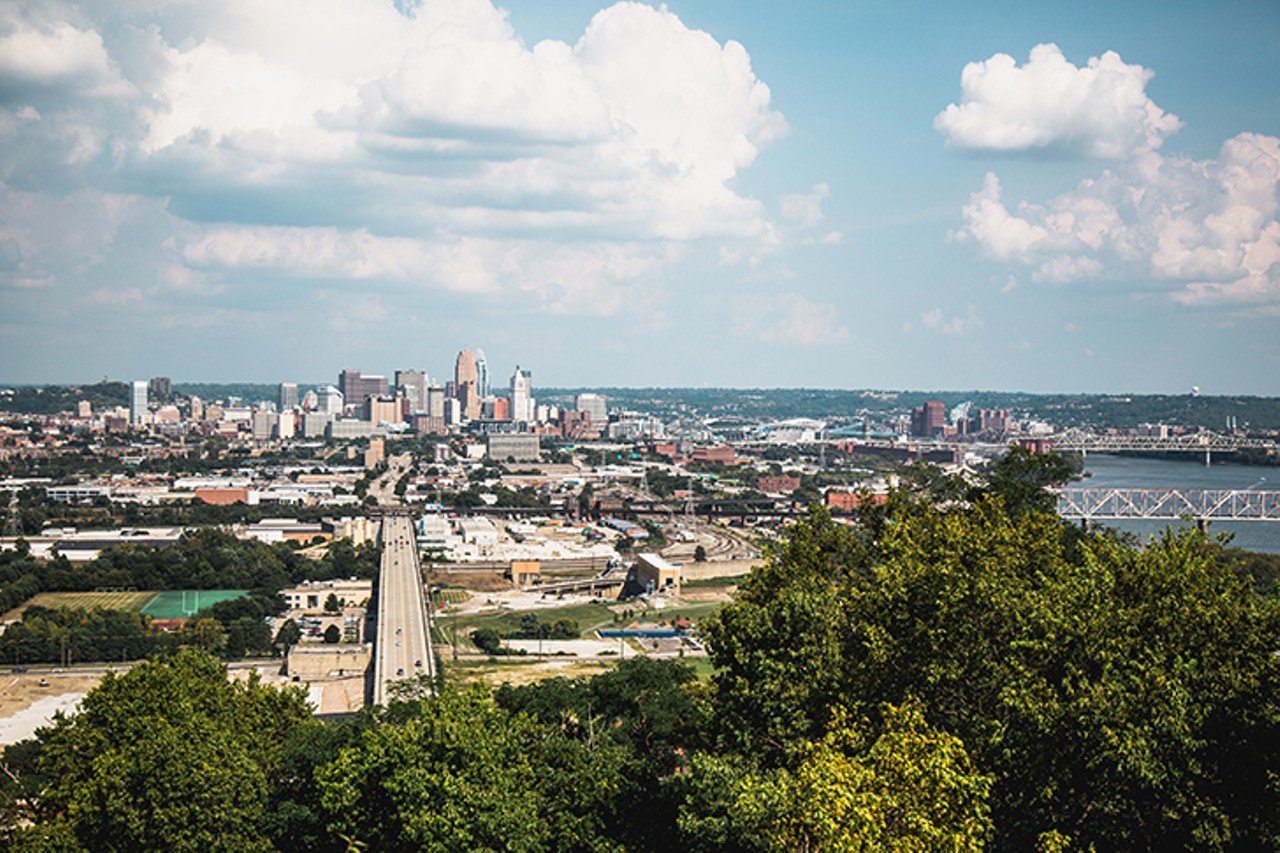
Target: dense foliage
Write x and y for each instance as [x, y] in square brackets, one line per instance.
[1068, 410]
[51, 399]
[955, 670]
[201, 559]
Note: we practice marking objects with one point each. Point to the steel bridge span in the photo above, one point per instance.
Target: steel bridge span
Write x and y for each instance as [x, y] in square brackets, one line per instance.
[1207, 443]
[1199, 505]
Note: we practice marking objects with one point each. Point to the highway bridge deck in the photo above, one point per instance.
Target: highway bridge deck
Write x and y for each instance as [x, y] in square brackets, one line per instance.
[403, 645]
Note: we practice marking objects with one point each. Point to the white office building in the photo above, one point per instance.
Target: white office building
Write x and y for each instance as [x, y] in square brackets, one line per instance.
[138, 402]
[330, 401]
[523, 407]
[594, 405]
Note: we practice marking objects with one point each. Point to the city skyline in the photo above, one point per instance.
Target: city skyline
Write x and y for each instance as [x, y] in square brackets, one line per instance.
[702, 194]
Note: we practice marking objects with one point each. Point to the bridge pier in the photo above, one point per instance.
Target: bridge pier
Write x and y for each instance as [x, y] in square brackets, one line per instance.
[1202, 524]
[1208, 457]
[1084, 525]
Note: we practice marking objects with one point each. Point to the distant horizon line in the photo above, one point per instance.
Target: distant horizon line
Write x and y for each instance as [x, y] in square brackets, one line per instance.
[743, 388]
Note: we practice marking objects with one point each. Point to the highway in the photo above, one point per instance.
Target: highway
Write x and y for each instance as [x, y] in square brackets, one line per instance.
[403, 645]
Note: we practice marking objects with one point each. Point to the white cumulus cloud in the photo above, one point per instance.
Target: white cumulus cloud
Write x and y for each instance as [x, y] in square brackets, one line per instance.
[1208, 229]
[1049, 104]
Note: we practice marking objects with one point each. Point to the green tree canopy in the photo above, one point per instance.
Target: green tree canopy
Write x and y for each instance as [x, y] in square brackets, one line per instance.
[171, 755]
[1122, 698]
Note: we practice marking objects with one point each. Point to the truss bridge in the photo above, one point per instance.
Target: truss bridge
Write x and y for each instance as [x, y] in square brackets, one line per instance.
[1206, 443]
[1199, 505]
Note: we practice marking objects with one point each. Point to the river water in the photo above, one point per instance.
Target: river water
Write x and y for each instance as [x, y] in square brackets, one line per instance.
[1146, 473]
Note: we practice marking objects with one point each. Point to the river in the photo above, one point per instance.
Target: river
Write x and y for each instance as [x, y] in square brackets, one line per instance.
[1148, 473]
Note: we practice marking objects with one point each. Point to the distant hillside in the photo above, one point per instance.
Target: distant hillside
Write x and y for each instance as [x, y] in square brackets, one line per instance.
[1094, 410]
[250, 392]
[51, 399]
[1068, 410]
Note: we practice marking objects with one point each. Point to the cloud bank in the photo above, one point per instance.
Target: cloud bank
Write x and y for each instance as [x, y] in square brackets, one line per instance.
[351, 141]
[1204, 230]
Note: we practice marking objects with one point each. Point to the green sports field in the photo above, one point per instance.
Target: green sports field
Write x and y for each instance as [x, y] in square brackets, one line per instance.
[176, 604]
[129, 602]
[181, 603]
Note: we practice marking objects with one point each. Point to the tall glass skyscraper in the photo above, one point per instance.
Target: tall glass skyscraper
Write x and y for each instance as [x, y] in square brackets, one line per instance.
[482, 374]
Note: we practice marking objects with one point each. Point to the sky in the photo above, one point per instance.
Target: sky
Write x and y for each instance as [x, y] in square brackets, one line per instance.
[1035, 196]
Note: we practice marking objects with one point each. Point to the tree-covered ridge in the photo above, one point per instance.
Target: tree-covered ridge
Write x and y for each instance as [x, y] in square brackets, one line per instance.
[51, 399]
[1065, 410]
[957, 669]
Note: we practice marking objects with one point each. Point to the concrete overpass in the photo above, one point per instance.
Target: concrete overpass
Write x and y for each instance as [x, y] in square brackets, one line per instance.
[403, 645]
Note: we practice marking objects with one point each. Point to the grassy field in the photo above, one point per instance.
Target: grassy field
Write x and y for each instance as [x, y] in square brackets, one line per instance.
[129, 602]
[181, 603]
[450, 596]
[588, 616]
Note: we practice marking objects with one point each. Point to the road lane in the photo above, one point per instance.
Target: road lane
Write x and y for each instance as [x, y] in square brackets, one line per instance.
[403, 638]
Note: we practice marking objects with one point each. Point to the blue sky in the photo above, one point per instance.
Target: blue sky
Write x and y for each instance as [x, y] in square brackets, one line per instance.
[706, 193]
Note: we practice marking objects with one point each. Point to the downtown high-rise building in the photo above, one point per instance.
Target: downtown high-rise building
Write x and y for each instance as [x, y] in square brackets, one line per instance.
[138, 402]
[287, 397]
[466, 384]
[929, 420]
[434, 403]
[356, 387]
[482, 374]
[329, 400]
[522, 402]
[596, 406]
[413, 384]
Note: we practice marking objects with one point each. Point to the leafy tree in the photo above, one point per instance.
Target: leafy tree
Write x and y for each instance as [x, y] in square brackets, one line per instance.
[460, 773]
[332, 634]
[910, 788]
[699, 554]
[1119, 698]
[209, 635]
[171, 755]
[1021, 477]
[332, 605]
[487, 640]
[654, 712]
[289, 635]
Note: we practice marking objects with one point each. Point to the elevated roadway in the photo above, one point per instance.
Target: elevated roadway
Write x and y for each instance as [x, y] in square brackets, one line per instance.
[403, 643]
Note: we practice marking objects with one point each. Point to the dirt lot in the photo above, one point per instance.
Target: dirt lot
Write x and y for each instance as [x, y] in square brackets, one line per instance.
[25, 705]
[519, 672]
